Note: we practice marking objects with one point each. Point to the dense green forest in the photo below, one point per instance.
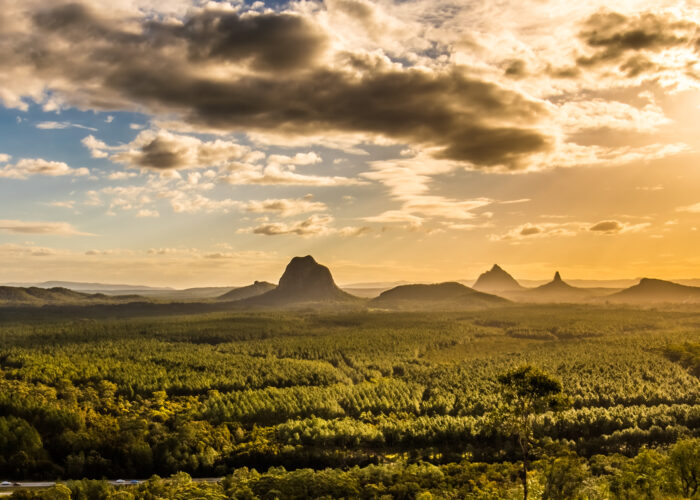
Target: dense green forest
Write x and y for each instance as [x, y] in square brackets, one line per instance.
[358, 404]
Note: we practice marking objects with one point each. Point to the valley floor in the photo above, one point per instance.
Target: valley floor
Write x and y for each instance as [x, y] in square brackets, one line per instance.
[356, 404]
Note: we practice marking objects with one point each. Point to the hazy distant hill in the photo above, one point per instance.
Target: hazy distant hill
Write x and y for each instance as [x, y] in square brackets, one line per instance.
[257, 288]
[558, 290]
[450, 295]
[55, 296]
[656, 291]
[368, 293]
[496, 280]
[79, 286]
[304, 281]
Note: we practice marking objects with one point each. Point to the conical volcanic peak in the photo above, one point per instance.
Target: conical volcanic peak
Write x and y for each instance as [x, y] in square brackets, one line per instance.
[304, 280]
[556, 284]
[558, 290]
[305, 275]
[496, 280]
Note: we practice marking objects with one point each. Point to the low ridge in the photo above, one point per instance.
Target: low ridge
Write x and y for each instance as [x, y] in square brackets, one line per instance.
[245, 292]
[496, 280]
[449, 295]
[35, 296]
[650, 290]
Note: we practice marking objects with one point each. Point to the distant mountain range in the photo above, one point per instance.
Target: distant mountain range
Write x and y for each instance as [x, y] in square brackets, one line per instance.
[56, 296]
[78, 286]
[305, 282]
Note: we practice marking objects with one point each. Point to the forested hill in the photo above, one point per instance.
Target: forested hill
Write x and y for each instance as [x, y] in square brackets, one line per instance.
[441, 296]
[34, 296]
[257, 288]
[657, 291]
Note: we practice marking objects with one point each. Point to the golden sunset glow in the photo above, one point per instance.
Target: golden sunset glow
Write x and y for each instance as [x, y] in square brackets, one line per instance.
[205, 143]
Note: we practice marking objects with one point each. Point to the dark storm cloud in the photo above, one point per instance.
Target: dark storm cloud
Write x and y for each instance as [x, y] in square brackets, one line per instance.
[160, 153]
[618, 39]
[288, 86]
[271, 41]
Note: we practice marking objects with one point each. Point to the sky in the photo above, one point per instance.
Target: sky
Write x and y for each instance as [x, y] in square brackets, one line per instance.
[192, 143]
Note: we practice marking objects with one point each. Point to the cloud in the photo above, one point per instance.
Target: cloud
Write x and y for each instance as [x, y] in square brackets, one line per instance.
[61, 126]
[694, 209]
[183, 203]
[352, 231]
[607, 226]
[63, 204]
[396, 217]
[242, 174]
[614, 227]
[581, 115]
[163, 150]
[316, 225]
[144, 212]
[97, 148]
[272, 71]
[28, 167]
[408, 181]
[268, 42]
[529, 231]
[284, 207]
[631, 42]
[43, 228]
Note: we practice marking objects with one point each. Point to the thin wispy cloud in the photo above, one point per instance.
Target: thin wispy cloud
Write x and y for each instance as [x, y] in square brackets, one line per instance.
[40, 228]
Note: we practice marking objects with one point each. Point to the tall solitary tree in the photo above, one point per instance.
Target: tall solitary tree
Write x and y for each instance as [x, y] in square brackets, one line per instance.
[527, 391]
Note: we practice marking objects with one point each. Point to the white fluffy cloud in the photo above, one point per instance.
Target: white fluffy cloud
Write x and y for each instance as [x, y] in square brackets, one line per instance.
[28, 167]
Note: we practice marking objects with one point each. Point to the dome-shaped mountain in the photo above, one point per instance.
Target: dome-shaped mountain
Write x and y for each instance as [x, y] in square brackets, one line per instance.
[257, 288]
[448, 295]
[652, 290]
[496, 280]
[304, 280]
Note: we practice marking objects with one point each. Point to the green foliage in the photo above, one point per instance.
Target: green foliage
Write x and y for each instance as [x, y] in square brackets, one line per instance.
[208, 394]
[684, 462]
